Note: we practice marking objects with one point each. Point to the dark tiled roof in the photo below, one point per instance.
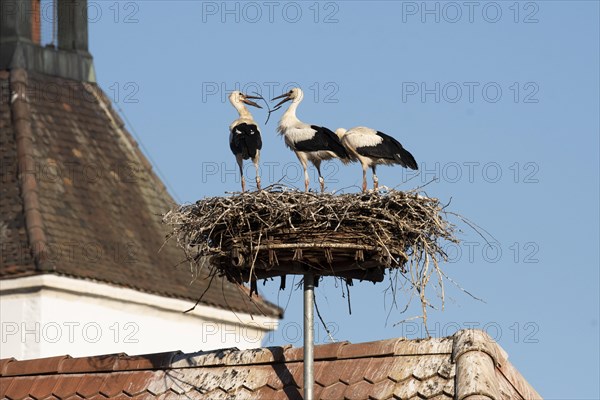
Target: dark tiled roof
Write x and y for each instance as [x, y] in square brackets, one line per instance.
[79, 198]
[467, 366]
[16, 258]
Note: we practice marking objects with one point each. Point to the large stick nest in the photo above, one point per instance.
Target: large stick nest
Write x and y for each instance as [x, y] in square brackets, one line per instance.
[279, 231]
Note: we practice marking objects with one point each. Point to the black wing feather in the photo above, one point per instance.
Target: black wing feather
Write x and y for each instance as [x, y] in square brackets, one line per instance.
[389, 149]
[245, 140]
[324, 139]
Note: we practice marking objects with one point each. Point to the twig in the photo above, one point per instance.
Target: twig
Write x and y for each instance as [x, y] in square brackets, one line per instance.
[331, 338]
[203, 293]
[268, 107]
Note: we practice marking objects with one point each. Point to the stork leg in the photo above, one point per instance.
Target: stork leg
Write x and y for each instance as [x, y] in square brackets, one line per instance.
[240, 162]
[255, 161]
[302, 159]
[364, 186]
[321, 180]
[375, 179]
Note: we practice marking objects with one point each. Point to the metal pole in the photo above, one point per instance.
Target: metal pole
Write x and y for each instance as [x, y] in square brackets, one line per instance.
[309, 319]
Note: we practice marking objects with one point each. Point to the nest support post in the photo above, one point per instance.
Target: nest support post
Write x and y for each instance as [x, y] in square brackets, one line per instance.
[309, 319]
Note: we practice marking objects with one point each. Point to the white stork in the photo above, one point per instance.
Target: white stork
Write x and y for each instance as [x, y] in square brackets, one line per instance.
[244, 136]
[310, 142]
[372, 148]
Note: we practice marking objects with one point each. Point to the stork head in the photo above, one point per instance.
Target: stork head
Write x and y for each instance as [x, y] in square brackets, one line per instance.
[295, 95]
[341, 132]
[236, 98]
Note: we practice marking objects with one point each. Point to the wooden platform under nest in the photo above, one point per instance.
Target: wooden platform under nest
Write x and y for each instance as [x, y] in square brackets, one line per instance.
[279, 231]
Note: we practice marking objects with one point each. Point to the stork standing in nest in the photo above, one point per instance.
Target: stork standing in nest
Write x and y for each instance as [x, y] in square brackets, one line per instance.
[244, 136]
[310, 142]
[372, 148]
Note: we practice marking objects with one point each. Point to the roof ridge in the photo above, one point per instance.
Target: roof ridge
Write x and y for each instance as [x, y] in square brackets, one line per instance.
[518, 382]
[119, 126]
[474, 347]
[213, 358]
[21, 117]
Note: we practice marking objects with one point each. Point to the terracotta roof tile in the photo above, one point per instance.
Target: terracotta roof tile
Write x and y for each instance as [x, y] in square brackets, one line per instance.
[378, 373]
[329, 375]
[334, 392]
[329, 351]
[145, 361]
[317, 390]
[138, 383]
[143, 396]
[243, 393]
[258, 378]
[294, 354]
[120, 396]
[114, 383]
[38, 366]
[383, 390]
[447, 370]
[290, 392]
[218, 394]
[4, 385]
[90, 385]
[96, 396]
[202, 358]
[4, 364]
[73, 397]
[378, 369]
[348, 373]
[297, 372]
[43, 386]
[233, 378]
[319, 367]
[67, 385]
[94, 363]
[257, 356]
[359, 391]
[265, 393]
[159, 384]
[20, 387]
[424, 346]
[449, 388]
[432, 387]
[169, 395]
[428, 366]
[403, 369]
[280, 377]
[380, 348]
[82, 159]
[408, 389]
[183, 380]
[475, 340]
[441, 397]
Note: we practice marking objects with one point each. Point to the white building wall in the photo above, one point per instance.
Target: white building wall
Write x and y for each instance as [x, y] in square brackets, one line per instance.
[48, 315]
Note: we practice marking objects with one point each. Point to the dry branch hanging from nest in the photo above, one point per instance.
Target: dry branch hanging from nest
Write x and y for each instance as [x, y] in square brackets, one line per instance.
[280, 231]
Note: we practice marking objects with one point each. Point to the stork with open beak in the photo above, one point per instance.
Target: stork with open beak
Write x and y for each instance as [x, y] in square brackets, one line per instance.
[372, 148]
[310, 142]
[244, 136]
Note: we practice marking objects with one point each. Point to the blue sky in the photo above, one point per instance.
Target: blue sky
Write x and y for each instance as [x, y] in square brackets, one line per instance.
[498, 100]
